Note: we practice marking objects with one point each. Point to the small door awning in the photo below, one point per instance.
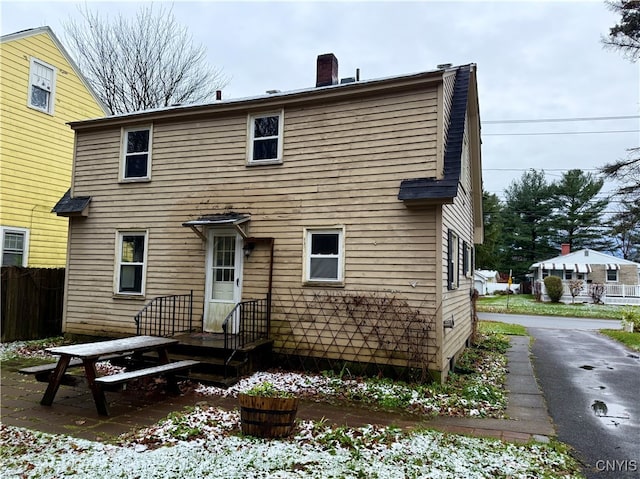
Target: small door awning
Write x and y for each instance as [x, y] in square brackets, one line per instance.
[67, 206]
[219, 220]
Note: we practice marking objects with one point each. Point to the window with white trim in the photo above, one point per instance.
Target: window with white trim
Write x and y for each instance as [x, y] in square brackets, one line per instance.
[136, 153]
[453, 260]
[612, 275]
[15, 246]
[131, 257]
[42, 85]
[324, 255]
[265, 138]
[467, 264]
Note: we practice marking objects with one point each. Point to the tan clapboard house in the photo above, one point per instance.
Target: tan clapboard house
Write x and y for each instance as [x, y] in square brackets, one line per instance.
[336, 221]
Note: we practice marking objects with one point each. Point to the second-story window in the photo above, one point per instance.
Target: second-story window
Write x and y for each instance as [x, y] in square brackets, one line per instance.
[136, 156]
[265, 138]
[42, 81]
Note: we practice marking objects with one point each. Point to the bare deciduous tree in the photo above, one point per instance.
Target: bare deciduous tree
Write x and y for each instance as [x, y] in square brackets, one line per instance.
[146, 62]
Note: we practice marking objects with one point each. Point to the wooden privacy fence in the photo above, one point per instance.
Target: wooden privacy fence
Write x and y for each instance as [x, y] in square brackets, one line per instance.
[31, 302]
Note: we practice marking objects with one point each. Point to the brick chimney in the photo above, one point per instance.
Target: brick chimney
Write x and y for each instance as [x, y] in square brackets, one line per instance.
[327, 70]
[565, 249]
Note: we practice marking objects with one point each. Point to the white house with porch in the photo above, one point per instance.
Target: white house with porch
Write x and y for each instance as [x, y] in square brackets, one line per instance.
[620, 277]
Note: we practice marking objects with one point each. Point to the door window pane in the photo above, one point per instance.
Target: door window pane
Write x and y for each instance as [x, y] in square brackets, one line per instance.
[224, 255]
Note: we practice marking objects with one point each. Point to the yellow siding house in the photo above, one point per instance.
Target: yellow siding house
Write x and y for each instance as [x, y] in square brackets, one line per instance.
[41, 90]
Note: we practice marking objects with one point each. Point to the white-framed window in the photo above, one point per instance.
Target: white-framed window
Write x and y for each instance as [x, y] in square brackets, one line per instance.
[265, 138]
[136, 153]
[612, 275]
[131, 259]
[453, 260]
[467, 256]
[568, 275]
[42, 86]
[15, 246]
[324, 255]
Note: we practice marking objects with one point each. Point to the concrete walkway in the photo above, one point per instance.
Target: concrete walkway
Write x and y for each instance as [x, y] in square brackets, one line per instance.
[73, 411]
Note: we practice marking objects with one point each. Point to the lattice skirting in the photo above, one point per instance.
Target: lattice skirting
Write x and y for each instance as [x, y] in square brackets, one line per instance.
[375, 332]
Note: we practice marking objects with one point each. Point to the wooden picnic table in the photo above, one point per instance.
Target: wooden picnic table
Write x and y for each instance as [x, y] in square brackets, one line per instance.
[90, 353]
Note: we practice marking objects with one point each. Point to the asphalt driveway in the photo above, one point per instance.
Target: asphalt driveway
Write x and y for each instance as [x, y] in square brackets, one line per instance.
[592, 388]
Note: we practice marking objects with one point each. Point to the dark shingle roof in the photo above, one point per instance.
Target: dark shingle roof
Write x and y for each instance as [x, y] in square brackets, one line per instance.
[67, 206]
[446, 188]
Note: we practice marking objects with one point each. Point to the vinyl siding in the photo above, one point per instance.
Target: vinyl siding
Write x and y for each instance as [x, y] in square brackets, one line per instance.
[456, 303]
[343, 164]
[37, 148]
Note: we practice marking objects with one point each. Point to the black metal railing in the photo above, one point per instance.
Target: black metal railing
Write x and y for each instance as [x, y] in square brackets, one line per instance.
[166, 316]
[246, 323]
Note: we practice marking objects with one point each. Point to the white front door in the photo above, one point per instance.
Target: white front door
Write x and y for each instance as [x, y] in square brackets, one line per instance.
[223, 278]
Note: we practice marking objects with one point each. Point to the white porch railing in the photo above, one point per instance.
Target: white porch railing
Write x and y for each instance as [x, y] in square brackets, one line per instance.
[622, 294]
[623, 290]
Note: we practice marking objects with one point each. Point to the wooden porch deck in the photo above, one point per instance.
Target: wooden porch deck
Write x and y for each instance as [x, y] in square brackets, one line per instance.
[201, 340]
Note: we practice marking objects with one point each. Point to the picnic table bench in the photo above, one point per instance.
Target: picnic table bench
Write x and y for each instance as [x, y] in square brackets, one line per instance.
[88, 354]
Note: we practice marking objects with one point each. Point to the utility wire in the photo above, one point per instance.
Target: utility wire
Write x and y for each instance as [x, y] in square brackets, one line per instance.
[561, 133]
[558, 120]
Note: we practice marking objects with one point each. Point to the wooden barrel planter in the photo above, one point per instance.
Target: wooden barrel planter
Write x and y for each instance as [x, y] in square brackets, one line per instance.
[267, 417]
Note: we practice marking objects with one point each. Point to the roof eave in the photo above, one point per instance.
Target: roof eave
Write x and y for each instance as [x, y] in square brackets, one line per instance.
[309, 95]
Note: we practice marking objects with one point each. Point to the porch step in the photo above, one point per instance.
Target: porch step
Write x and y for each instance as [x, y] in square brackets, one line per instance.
[213, 379]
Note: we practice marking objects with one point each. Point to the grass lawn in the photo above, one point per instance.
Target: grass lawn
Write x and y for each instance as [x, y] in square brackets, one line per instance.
[502, 328]
[526, 304]
[631, 340]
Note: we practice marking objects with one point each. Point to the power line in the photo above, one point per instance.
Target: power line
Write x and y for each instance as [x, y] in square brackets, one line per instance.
[545, 169]
[558, 120]
[561, 133]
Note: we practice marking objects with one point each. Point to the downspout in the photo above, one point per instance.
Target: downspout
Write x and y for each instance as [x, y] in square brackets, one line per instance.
[269, 292]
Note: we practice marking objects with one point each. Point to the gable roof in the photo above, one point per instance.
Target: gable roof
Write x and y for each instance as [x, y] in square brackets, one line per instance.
[573, 261]
[305, 96]
[486, 274]
[445, 189]
[47, 31]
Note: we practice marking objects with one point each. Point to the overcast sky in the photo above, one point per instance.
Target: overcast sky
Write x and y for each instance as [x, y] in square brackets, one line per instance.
[536, 60]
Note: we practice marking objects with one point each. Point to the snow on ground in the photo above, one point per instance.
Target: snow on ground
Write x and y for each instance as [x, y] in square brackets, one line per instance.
[207, 443]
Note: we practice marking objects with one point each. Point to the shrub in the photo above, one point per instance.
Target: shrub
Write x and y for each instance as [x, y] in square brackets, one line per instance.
[596, 291]
[575, 287]
[554, 288]
[630, 315]
[267, 389]
[537, 291]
